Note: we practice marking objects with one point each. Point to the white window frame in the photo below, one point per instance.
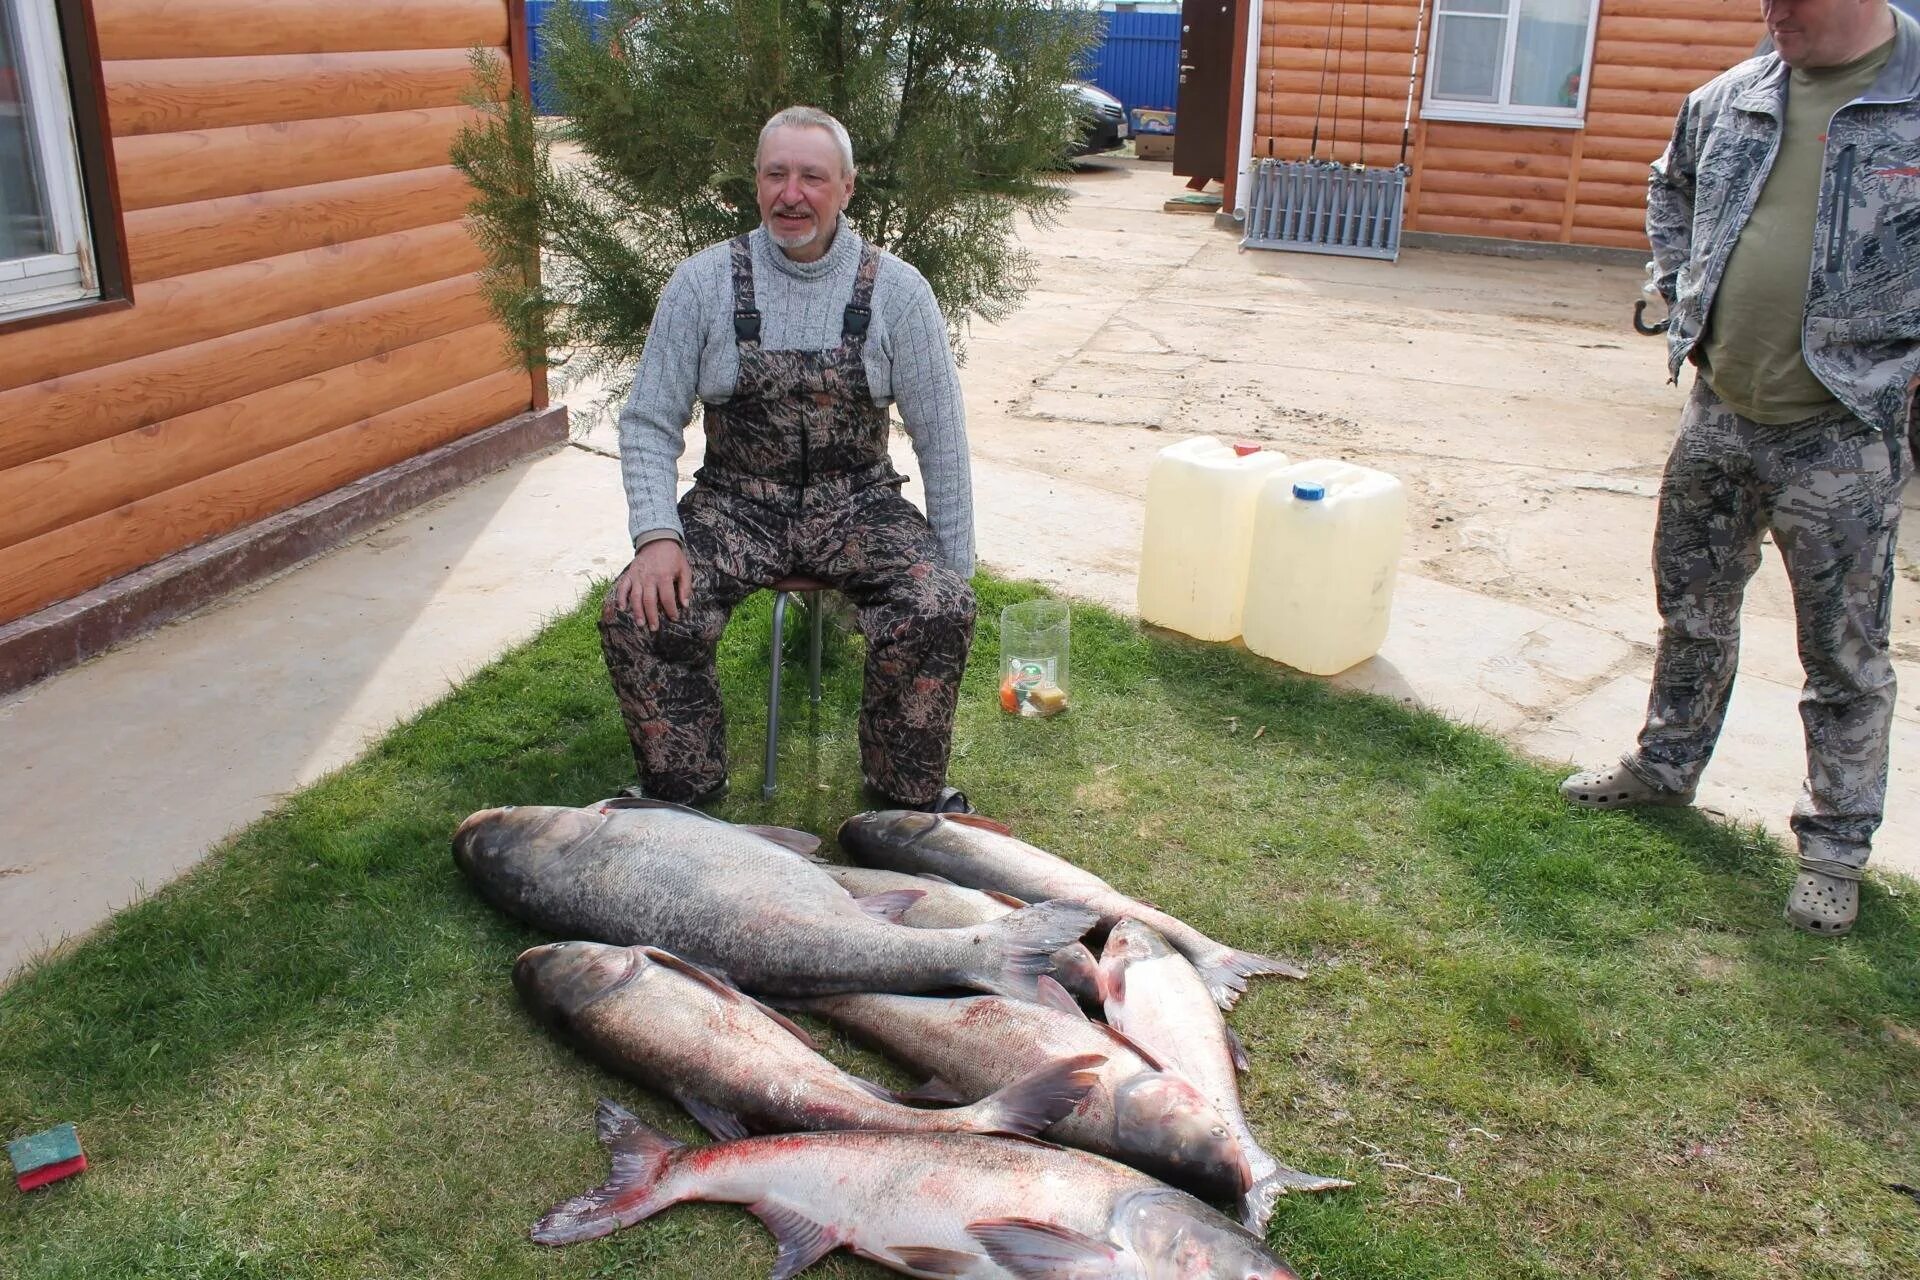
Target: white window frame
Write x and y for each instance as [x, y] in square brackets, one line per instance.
[69, 274]
[1504, 111]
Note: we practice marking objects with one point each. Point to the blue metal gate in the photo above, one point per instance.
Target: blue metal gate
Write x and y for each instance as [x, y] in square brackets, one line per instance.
[596, 12]
[1138, 59]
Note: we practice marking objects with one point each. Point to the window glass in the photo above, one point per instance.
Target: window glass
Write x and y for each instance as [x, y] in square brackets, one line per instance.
[1550, 57]
[25, 230]
[1468, 57]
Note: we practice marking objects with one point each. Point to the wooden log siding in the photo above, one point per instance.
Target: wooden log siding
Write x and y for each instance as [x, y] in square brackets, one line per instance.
[1580, 186]
[306, 309]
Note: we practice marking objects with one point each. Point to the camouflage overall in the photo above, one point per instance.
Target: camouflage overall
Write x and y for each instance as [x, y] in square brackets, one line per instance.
[1829, 490]
[797, 481]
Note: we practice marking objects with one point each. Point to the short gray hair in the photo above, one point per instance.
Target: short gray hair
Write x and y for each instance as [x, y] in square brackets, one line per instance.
[810, 118]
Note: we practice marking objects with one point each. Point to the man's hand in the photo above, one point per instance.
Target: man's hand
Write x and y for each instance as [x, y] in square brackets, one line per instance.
[658, 583]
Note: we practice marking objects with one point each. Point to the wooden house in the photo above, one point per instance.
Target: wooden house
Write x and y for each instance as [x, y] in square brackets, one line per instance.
[1529, 119]
[239, 310]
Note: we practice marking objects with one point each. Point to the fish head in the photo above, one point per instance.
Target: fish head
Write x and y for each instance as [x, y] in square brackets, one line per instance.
[1131, 941]
[1168, 1128]
[559, 979]
[871, 836]
[1178, 1238]
[505, 850]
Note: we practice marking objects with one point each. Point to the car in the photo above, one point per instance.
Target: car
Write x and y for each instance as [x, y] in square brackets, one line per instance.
[1103, 115]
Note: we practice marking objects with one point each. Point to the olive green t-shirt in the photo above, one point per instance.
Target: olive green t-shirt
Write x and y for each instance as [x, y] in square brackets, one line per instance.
[1751, 353]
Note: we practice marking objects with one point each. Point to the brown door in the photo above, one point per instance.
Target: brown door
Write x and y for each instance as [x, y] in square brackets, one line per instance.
[1206, 50]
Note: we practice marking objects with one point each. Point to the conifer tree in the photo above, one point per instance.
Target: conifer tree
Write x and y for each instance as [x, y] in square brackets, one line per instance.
[955, 107]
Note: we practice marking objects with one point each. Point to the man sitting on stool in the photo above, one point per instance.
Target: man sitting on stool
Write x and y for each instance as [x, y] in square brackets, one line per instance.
[795, 338]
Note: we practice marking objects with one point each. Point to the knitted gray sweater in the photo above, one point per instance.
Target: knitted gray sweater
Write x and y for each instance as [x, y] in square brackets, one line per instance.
[690, 354]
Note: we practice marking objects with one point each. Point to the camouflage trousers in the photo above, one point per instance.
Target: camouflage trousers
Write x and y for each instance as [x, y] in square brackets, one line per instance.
[876, 549]
[1829, 490]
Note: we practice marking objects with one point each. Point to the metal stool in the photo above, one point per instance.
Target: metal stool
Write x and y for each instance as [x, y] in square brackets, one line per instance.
[811, 589]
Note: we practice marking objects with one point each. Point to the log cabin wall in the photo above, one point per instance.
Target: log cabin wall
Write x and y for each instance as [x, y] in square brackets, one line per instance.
[1514, 182]
[306, 309]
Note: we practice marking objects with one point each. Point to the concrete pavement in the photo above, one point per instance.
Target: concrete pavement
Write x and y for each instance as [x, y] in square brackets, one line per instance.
[1526, 418]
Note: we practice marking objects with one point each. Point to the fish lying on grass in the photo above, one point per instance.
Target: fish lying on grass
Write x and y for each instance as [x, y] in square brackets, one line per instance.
[1137, 1111]
[941, 1206]
[942, 904]
[735, 903]
[737, 1066]
[983, 854]
[1152, 994]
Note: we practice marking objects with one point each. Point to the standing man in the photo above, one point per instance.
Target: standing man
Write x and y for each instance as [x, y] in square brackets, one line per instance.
[796, 338]
[1785, 221]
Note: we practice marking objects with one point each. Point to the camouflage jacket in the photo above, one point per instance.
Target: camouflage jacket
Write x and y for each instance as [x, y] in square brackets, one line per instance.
[1861, 334]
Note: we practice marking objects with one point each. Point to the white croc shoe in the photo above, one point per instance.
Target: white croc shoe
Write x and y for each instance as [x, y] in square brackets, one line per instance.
[1618, 788]
[1823, 904]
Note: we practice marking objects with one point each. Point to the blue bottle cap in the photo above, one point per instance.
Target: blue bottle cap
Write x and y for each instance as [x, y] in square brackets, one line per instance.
[1309, 492]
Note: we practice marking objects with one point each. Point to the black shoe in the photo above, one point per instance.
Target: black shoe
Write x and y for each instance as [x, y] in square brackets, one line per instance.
[713, 795]
[950, 800]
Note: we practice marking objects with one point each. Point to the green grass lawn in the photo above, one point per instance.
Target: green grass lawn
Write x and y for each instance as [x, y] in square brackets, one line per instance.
[1543, 1042]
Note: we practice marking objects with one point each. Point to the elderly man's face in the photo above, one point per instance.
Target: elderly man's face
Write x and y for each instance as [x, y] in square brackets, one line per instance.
[1822, 33]
[803, 188]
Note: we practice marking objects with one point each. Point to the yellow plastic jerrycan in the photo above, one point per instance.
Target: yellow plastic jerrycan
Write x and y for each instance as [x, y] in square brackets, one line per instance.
[1326, 550]
[1193, 558]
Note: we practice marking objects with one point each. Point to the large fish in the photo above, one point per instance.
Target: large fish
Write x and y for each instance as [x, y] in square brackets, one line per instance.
[734, 1064]
[1153, 994]
[734, 903]
[928, 902]
[984, 855]
[941, 1206]
[1137, 1111]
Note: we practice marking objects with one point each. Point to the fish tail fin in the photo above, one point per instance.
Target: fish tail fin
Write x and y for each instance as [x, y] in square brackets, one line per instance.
[641, 1156]
[1026, 941]
[1226, 972]
[1256, 1206]
[1033, 1102]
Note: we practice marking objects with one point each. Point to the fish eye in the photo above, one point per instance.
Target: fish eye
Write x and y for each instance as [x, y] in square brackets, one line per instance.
[508, 808]
[1220, 1131]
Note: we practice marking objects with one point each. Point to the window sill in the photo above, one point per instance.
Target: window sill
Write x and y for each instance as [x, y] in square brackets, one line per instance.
[1466, 114]
[75, 310]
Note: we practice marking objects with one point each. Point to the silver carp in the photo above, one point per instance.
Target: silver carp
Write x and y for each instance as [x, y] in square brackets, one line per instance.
[758, 915]
[737, 1066]
[983, 854]
[1153, 994]
[927, 902]
[1137, 1111]
[940, 1206]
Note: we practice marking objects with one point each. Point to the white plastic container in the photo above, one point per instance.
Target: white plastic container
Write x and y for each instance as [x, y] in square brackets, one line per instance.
[1326, 549]
[1193, 558]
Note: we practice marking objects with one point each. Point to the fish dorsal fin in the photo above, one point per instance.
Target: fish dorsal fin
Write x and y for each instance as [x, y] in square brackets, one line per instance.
[724, 1125]
[804, 843]
[801, 1240]
[666, 959]
[1033, 1250]
[890, 905]
[1006, 899]
[643, 802]
[934, 1090]
[1131, 1045]
[1238, 1048]
[1054, 996]
[975, 820]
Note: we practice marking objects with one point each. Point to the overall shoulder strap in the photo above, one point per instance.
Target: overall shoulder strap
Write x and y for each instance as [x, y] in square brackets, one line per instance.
[859, 313]
[746, 318]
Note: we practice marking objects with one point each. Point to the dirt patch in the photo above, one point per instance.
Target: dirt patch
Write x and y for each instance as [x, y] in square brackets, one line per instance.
[1711, 968]
[1900, 1034]
[1099, 794]
[12, 871]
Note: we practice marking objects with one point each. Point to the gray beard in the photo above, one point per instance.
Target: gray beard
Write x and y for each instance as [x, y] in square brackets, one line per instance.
[793, 242]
